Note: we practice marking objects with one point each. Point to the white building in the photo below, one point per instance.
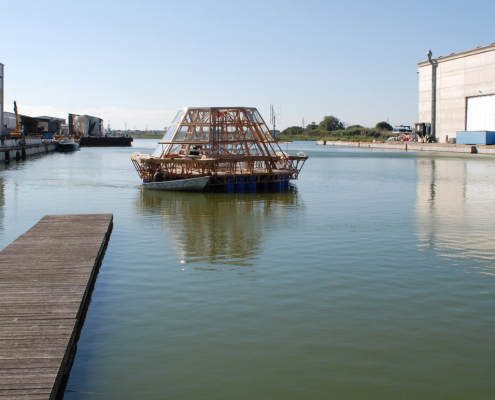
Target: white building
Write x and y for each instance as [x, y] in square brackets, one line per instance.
[457, 92]
[1, 99]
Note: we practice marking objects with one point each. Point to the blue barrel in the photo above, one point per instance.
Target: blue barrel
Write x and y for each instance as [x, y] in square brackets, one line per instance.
[230, 184]
[286, 181]
[251, 185]
[241, 184]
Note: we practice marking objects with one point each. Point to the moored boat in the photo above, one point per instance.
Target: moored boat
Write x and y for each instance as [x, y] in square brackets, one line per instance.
[67, 144]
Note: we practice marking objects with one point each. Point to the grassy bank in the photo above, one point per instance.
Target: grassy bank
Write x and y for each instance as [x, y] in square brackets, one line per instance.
[353, 134]
[342, 138]
[157, 137]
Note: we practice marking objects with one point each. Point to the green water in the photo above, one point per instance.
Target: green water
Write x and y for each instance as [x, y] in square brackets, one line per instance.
[373, 278]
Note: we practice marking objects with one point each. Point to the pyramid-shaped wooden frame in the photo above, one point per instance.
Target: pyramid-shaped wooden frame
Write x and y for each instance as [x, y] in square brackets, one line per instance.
[231, 145]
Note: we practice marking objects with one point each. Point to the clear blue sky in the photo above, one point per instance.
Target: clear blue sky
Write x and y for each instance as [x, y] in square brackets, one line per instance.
[140, 61]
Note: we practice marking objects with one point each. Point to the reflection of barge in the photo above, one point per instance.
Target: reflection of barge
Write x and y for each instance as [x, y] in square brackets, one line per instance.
[231, 145]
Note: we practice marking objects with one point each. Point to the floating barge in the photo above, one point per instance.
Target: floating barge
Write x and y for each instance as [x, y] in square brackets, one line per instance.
[231, 145]
[106, 141]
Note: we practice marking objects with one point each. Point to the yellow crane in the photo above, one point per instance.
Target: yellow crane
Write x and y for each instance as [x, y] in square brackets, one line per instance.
[17, 134]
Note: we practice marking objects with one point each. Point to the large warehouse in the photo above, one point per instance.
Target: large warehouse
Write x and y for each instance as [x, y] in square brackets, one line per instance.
[457, 92]
[1, 99]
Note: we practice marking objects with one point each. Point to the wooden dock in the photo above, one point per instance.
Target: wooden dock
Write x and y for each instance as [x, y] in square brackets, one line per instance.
[46, 276]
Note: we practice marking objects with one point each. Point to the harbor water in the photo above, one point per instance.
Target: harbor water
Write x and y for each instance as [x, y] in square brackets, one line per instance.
[373, 277]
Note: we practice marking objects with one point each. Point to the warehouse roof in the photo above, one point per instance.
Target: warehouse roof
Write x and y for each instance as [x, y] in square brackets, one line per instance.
[465, 53]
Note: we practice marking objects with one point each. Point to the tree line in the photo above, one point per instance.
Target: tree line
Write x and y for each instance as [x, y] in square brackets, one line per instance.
[332, 127]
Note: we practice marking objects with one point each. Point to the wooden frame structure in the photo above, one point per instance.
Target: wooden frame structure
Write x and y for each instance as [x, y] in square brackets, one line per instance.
[231, 145]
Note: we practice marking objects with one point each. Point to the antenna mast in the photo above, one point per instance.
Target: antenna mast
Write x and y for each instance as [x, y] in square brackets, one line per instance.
[272, 118]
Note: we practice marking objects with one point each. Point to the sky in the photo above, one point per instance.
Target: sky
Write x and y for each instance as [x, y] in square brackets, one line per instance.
[141, 61]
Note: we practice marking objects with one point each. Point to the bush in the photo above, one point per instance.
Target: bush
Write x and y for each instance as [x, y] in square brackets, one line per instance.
[331, 123]
[355, 132]
[293, 130]
[384, 126]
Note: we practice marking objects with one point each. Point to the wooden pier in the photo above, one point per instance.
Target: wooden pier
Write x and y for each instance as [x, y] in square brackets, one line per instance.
[46, 276]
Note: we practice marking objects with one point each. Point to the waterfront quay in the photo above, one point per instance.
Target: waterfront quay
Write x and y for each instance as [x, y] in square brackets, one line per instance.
[415, 146]
[47, 278]
[20, 149]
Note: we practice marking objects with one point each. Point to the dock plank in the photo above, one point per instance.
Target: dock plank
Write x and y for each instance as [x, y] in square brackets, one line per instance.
[45, 278]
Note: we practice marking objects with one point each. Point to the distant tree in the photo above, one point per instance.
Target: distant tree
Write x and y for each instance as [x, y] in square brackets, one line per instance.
[293, 130]
[312, 126]
[355, 127]
[384, 126]
[331, 123]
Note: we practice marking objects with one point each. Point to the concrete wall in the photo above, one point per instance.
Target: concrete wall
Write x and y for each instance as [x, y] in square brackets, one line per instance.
[10, 151]
[461, 75]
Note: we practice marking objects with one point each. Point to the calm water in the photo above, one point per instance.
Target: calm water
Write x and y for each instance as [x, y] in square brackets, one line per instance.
[372, 279]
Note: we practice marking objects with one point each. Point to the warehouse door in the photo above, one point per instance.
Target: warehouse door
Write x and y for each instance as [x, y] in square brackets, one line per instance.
[481, 113]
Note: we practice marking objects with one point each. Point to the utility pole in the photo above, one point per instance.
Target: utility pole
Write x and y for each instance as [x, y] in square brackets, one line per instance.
[434, 64]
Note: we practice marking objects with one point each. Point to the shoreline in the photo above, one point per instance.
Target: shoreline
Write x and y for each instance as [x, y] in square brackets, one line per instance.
[415, 146]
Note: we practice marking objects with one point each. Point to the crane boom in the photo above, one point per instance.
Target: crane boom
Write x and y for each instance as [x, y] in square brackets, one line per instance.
[17, 134]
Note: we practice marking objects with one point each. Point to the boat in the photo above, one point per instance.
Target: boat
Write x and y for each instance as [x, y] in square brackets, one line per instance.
[67, 144]
[191, 184]
[231, 146]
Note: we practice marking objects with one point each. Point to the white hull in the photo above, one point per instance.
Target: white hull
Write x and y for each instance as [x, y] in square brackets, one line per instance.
[192, 184]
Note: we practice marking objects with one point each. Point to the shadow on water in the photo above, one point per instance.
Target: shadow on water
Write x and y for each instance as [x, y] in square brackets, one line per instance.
[62, 389]
[217, 228]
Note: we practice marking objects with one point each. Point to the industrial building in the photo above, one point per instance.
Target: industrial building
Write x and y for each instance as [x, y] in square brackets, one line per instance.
[44, 127]
[1, 99]
[457, 92]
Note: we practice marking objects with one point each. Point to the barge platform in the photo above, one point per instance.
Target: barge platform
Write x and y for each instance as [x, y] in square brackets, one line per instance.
[47, 278]
[106, 141]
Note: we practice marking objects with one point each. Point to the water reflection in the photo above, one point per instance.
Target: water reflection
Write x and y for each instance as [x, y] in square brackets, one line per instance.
[219, 228]
[456, 207]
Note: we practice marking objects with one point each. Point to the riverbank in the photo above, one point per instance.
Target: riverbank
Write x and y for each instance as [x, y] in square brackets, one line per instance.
[415, 146]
